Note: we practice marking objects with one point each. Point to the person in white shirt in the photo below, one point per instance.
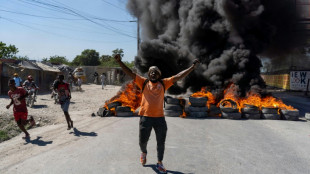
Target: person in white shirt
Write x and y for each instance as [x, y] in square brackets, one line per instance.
[79, 83]
[102, 77]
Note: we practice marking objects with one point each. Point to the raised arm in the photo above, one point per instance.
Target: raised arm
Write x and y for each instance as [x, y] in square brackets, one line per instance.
[184, 73]
[124, 67]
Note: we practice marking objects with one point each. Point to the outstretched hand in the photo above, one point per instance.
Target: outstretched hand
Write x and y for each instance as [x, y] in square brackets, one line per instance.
[117, 57]
[196, 63]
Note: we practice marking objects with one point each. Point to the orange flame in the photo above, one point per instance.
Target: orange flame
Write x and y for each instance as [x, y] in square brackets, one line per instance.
[130, 96]
[183, 115]
[230, 94]
[204, 93]
[253, 99]
[275, 103]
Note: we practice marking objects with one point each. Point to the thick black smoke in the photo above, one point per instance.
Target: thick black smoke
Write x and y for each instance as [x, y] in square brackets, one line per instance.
[225, 35]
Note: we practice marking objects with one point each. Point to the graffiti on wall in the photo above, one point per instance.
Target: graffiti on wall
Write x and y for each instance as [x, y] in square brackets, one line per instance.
[299, 80]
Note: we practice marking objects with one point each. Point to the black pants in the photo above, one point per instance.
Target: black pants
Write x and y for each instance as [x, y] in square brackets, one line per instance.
[160, 126]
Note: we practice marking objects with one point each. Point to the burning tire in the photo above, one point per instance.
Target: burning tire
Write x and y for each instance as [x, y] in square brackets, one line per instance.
[231, 115]
[271, 116]
[198, 101]
[290, 115]
[251, 112]
[197, 109]
[170, 100]
[172, 113]
[198, 114]
[214, 111]
[252, 116]
[114, 105]
[229, 110]
[173, 107]
[123, 109]
[124, 114]
[101, 112]
[266, 110]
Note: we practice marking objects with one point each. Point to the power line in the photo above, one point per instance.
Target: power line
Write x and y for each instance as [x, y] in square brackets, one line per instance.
[56, 34]
[27, 14]
[82, 16]
[114, 5]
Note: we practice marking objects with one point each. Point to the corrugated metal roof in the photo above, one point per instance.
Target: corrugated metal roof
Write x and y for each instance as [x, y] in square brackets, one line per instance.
[28, 65]
[46, 67]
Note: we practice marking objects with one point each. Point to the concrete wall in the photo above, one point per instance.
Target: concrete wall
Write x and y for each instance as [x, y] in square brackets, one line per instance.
[114, 76]
[279, 80]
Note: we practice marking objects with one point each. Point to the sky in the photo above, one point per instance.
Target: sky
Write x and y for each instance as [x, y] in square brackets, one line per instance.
[44, 28]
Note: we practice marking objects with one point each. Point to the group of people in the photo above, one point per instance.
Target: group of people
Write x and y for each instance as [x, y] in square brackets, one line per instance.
[18, 94]
[151, 107]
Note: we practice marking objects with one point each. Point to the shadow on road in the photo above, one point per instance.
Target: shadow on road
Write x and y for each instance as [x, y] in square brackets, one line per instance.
[38, 142]
[153, 166]
[39, 106]
[79, 133]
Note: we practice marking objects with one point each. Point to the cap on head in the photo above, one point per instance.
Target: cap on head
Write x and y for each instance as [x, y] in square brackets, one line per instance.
[15, 74]
[154, 68]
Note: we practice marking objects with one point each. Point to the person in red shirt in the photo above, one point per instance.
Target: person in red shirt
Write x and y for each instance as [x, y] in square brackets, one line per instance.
[151, 107]
[17, 96]
[64, 96]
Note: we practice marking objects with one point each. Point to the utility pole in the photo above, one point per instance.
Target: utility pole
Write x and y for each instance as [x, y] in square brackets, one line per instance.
[138, 33]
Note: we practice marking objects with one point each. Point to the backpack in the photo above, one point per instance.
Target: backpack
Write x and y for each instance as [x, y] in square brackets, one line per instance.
[147, 80]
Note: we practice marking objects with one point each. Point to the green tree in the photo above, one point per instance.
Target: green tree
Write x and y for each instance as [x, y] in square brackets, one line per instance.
[87, 58]
[7, 52]
[58, 59]
[21, 57]
[108, 61]
[119, 51]
[105, 58]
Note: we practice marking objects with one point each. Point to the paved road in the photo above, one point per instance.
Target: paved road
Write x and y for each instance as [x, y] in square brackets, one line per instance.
[110, 145]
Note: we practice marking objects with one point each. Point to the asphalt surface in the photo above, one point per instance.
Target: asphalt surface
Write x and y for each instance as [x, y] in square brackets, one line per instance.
[212, 145]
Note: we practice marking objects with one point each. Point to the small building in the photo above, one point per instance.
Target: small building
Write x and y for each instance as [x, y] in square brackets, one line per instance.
[42, 74]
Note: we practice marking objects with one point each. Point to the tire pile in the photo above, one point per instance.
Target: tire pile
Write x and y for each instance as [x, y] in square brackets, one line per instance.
[214, 111]
[173, 107]
[251, 112]
[231, 112]
[198, 107]
[292, 115]
[270, 113]
[123, 111]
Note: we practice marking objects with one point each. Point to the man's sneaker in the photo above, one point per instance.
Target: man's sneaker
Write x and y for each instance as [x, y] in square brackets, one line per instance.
[32, 122]
[161, 168]
[143, 158]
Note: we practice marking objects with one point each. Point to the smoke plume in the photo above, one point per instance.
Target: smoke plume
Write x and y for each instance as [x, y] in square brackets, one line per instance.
[227, 36]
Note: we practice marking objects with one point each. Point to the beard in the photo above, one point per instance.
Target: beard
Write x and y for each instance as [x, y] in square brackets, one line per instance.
[154, 81]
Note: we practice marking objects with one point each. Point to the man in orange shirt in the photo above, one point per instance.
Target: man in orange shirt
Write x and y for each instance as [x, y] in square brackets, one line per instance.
[151, 107]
